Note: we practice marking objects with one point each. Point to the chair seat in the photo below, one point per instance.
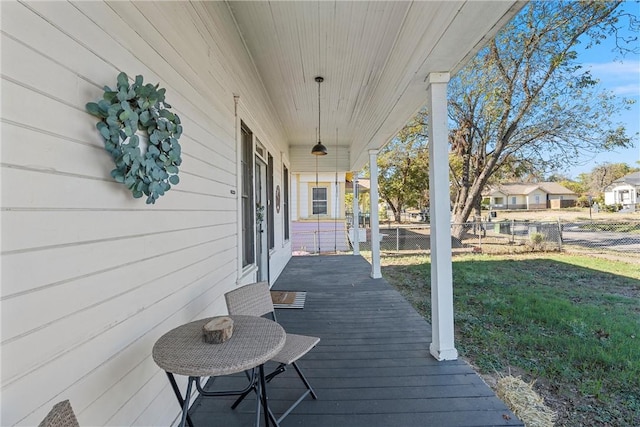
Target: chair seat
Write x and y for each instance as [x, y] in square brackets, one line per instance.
[255, 300]
[294, 348]
[61, 415]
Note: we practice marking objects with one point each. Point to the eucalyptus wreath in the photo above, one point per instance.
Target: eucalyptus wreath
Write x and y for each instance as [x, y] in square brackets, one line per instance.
[132, 108]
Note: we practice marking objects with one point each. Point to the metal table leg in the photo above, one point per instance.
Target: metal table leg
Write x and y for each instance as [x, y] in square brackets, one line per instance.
[262, 396]
[183, 403]
[257, 384]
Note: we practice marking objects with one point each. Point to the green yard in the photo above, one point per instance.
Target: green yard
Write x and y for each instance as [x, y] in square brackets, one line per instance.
[572, 323]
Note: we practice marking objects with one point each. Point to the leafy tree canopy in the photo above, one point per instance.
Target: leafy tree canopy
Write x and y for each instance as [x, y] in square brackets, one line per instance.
[524, 105]
[602, 175]
[521, 107]
[404, 169]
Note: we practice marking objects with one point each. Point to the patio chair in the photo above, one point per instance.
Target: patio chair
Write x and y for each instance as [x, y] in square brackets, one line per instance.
[255, 300]
[61, 415]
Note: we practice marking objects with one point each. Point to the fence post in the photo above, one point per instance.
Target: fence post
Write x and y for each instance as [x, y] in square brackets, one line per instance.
[315, 241]
[513, 231]
[397, 239]
[559, 233]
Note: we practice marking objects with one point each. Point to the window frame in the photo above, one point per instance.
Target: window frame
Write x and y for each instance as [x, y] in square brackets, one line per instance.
[285, 201]
[247, 159]
[270, 203]
[313, 200]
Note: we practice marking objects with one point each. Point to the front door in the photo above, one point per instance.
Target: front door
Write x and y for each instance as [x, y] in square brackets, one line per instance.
[262, 248]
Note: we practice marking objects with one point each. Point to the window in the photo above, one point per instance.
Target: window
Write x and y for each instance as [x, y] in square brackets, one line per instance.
[498, 200]
[248, 242]
[513, 200]
[270, 203]
[260, 150]
[319, 201]
[285, 200]
[537, 196]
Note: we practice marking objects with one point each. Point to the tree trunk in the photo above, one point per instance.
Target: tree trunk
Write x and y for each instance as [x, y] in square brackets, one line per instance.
[395, 208]
[477, 206]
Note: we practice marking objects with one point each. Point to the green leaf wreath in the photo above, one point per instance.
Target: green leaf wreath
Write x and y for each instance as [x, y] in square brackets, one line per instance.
[132, 108]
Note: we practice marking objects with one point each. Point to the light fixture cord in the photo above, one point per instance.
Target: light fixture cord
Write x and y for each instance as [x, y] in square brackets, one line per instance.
[335, 218]
[318, 211]
[319, 139]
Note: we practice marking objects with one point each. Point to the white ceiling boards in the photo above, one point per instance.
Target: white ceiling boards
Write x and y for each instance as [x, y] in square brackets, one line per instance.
[374, 57]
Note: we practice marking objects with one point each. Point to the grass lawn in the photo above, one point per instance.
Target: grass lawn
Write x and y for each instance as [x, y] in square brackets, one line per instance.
[572, 323]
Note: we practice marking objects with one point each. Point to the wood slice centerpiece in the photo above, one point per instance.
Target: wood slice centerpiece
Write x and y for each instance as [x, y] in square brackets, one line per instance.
[218, 330]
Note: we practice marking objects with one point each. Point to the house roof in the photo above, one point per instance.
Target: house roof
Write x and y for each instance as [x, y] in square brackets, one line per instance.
[554, 188]
[364, 185]
[375, 57]
[631, 179]
[514, 189]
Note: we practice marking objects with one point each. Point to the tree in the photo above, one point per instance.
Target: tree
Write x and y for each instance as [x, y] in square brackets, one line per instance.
[577, 187]
[557, 177]
[403, 169]
[603, 175]
[523, 104]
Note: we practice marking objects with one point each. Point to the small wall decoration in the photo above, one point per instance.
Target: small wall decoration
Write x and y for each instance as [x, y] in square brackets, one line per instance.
[259, 213]
[124, 114]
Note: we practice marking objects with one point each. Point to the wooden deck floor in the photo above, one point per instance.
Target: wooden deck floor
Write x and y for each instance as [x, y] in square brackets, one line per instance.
[372, 367]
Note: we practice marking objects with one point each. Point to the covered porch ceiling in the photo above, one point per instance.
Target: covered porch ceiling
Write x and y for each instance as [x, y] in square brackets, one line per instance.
[374, 56]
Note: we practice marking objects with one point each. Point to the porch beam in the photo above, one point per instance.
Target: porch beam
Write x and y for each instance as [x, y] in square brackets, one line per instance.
[375, 226]
[356, 215]
[442, 345]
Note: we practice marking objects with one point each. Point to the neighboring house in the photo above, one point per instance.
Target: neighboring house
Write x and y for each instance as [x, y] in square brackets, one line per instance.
[92, 277]
[541, 195]
[318, 221]
[625, 190]
[363, 190]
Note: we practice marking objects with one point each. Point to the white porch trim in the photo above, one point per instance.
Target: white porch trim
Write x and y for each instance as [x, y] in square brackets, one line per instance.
[375, 232]
[356, 215]
[442, 345]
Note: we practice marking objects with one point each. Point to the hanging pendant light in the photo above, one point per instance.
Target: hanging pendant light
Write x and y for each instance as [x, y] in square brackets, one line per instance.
[319, 149]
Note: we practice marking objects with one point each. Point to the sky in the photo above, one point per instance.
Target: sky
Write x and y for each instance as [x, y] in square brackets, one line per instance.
[621, 75]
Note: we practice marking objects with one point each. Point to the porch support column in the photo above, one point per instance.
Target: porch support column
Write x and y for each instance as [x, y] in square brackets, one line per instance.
[442, 346]
[356, 215]
[375, 227]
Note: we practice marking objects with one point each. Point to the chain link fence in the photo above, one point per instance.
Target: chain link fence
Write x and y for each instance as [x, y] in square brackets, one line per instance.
[494, 237]
[620, 237]
[515, 236]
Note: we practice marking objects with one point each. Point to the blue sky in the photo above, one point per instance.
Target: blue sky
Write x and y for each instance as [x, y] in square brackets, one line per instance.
[621, 75]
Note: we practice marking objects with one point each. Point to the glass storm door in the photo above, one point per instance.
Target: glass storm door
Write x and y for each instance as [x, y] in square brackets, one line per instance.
[262, 243]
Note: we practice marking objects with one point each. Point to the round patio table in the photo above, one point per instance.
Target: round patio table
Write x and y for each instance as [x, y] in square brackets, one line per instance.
[183, 351]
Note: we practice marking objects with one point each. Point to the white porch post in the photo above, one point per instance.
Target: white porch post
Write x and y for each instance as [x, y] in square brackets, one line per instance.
[356, 216]
[375, 227]
[442, 346]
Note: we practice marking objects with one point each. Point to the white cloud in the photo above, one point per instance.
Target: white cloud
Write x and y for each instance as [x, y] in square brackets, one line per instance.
[630, 69]
[627, 90]
[620, 78]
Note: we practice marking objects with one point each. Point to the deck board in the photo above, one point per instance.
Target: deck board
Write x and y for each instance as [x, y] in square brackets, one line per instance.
[372, 366]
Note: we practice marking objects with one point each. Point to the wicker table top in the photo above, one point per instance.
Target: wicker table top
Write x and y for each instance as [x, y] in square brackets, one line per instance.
[183, 350]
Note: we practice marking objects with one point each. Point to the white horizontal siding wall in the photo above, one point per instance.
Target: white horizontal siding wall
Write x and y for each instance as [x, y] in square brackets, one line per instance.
[91, 277]
[530, 199]
[337, 158]
[303, 183]
[612, 195]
